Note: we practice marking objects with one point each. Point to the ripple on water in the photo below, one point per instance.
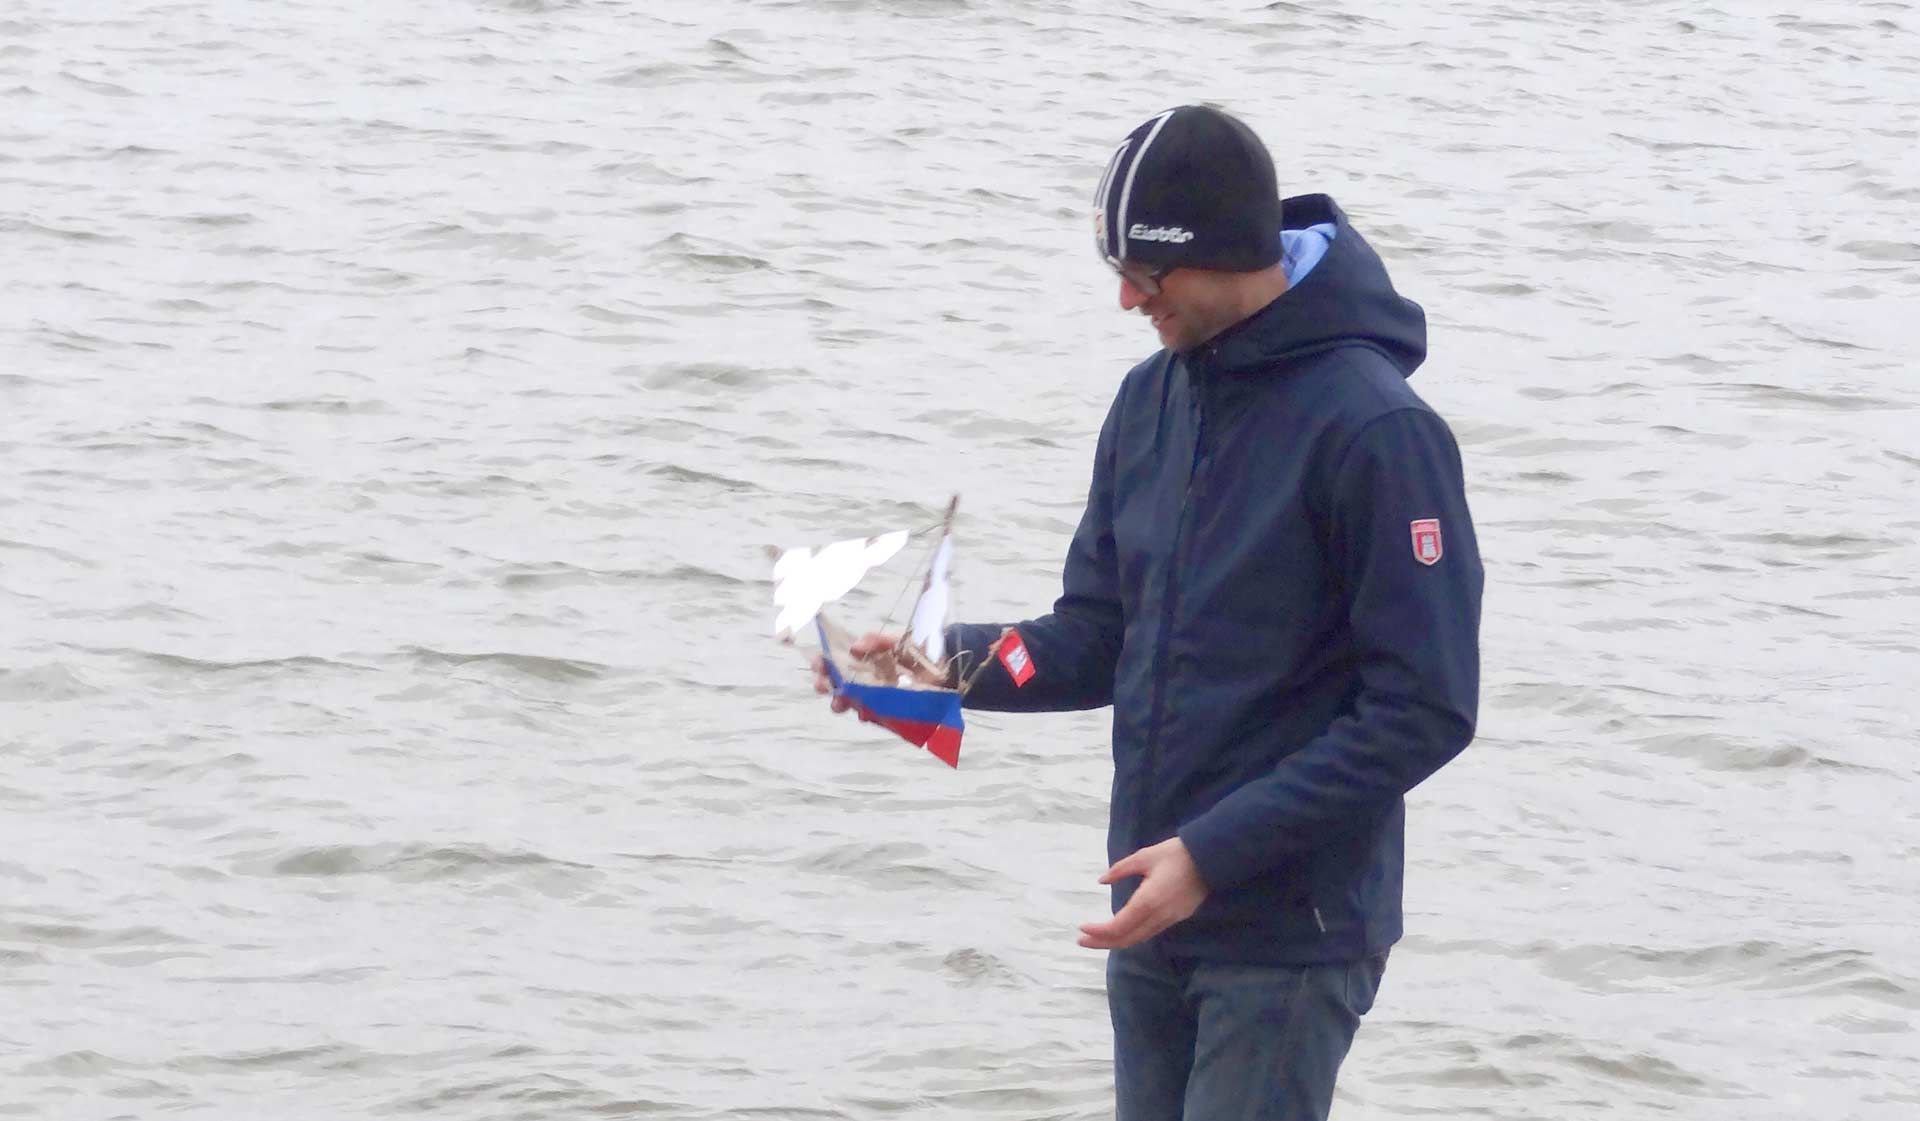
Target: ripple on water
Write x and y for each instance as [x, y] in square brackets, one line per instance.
[1720, 752]
[56, 682]
[80, 936]
[1755, 964]
[560, 670]
[413, 863]
[897, 864]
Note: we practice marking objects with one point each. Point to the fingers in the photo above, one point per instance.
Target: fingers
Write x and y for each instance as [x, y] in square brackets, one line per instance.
[862, 648]
[1139, 920]
[869, 644]
[823, 684]
[1123, 929]
[1170, 891]
[1135, 865]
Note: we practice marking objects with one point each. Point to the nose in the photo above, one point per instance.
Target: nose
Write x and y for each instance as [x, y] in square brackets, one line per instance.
[1131, 297]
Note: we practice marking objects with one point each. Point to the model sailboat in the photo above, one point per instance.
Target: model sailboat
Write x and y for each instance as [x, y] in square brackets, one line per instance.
[911, 688]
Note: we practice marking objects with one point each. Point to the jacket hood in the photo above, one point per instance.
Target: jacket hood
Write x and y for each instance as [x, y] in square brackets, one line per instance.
[1346, 299]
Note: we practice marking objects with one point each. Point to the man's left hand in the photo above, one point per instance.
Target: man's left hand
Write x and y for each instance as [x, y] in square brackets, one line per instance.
[1170, 891]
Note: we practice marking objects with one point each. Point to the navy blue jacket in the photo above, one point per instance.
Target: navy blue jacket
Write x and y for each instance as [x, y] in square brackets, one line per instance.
[1248, 589]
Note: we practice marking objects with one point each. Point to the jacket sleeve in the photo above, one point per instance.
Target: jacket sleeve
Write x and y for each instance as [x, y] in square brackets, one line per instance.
[1075, 647]
[1414, 626]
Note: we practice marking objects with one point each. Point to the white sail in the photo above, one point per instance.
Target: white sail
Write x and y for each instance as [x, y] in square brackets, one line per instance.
[804, 581]
[930, 613]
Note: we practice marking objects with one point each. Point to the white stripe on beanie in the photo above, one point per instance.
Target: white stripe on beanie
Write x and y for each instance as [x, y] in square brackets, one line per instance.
[1100, 196]
[1126, 192]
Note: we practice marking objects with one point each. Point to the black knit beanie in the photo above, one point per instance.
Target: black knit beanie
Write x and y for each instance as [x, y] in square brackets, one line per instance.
[1190, 188]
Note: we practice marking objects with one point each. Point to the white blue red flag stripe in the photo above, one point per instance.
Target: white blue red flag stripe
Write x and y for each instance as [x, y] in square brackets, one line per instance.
[928, 718]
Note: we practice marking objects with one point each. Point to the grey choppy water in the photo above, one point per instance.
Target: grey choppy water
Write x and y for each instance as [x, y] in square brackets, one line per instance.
[396, 396]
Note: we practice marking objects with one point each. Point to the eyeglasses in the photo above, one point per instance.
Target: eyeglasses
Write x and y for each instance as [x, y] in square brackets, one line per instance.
[1145, 279]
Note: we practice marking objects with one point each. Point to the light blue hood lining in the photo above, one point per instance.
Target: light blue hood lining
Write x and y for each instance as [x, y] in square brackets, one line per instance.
[1300, 250]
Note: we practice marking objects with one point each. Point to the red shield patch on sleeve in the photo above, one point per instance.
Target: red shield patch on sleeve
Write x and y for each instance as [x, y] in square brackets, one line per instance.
[1426, 541]
[1014, 656]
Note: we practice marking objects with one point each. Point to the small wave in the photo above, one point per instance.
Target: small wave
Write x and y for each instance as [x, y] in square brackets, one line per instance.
[294, 548]
[645, 170]
[1779, 394]
[324, 976]
[709, 255]
[219, 221]
[816, 97]
[1631, 233]
[73, 936]
[1667, 146]
[183, 664]
[531, 665]
[1503, 288]
[50, 551]
[726, 262]
[1816, 340]
[1648, 1070]
[899, 864]
[1724, 753]
[324, 1057]
[507, 244]
[325, 406]
[978, 967]
[1560, 698]
[45, 683]
[1555, 446]
[607, 315]
[673, 472]
[697, 574]
[404, 863]
[537, 1095]
[1886, 192]
[1883, 250]
[650, 76]
[538, 7]
[21, 225]
[1711, 439]
[1806, 856]
[181, 304]
[1623, 624]
[1834, 972]
[1831, 544]
[377, 278]
[562, 575]
[708, 373]
[105, 89]
[80, 1064]
[1693, 363]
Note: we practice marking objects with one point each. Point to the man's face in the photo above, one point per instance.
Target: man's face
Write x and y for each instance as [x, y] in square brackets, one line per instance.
[1192, 306]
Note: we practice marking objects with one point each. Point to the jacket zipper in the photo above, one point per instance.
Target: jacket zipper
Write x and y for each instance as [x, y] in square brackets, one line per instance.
[1170, 601]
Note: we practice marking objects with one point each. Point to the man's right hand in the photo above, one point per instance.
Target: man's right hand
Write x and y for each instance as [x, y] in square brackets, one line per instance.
[863, 647]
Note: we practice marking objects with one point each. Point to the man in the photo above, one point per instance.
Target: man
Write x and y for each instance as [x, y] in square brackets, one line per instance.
[1276, 586]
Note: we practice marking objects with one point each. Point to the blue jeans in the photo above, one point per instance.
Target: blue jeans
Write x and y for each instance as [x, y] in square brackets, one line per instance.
[1194, 1041]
